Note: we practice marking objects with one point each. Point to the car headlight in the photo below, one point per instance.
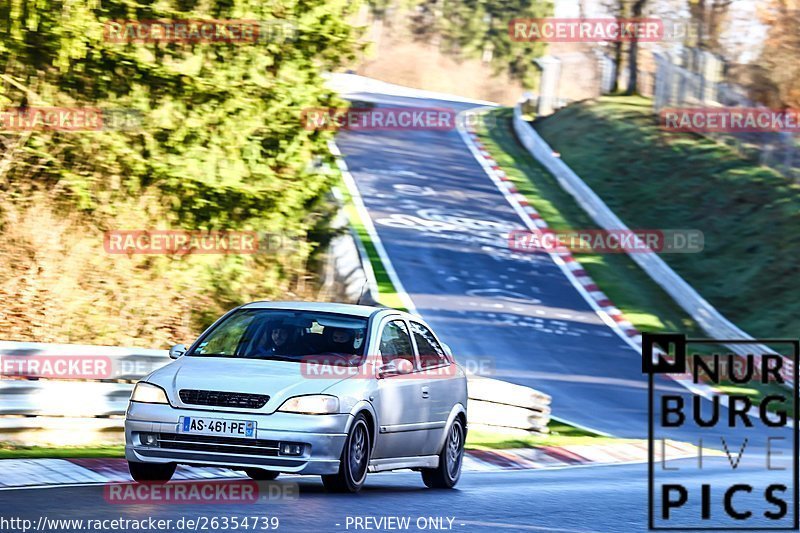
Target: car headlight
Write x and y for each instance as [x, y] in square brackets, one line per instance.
[148, 393]
[316, 404]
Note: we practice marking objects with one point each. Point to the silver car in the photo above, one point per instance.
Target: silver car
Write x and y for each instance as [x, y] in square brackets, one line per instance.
[305, 388]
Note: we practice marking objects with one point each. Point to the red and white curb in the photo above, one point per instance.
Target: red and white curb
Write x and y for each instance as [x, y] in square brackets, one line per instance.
[30, 473]
[607, 311]
[27, 473]
[610, 314]
[19, 473]
[612, 453]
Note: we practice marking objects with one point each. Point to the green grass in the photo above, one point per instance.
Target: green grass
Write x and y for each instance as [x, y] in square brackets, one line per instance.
[757, 391]
[643, 302]
[387, 294]
[10, 451]
[560, 435]
[750, 215]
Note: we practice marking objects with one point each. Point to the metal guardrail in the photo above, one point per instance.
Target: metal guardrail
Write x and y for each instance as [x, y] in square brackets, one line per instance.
[496, 405]
[706, 316]
[39, 410]
[122, 364]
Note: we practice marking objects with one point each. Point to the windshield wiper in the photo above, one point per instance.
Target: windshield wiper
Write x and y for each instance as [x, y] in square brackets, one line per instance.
[275, 358]
[251, 357]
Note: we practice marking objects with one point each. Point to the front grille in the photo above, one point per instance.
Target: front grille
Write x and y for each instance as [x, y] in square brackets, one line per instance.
[225, 445]
[223, 399]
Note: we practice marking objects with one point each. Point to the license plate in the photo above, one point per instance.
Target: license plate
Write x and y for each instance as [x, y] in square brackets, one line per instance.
[214, 426]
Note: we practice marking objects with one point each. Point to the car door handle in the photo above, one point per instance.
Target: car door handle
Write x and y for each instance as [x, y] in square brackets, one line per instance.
[425, 392]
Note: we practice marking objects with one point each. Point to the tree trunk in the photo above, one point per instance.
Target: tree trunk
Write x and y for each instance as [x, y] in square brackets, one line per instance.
[633, 52]
[618, 66]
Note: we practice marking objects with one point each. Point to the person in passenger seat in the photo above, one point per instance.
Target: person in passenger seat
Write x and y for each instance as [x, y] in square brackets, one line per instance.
[341, 341]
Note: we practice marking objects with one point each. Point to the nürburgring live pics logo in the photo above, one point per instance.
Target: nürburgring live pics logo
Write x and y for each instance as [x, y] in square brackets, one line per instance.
[745, 474]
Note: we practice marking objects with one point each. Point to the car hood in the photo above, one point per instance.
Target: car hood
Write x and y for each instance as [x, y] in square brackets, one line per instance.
[279, 380]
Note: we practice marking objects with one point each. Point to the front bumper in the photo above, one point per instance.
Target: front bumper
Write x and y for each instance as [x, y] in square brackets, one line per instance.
[322, 437]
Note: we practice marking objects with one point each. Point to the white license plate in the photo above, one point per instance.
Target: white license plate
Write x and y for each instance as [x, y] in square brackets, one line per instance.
[214, 426]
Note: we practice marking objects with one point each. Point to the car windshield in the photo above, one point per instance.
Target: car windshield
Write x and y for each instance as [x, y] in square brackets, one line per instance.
[285, 336]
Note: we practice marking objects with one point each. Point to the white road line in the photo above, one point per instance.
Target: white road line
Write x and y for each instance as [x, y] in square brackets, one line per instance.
[566, 268]
[370, 227]
[530, 224]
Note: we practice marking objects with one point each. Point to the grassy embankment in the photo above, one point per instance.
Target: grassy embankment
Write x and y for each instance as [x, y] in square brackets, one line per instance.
[749, 214]
[657, 179]
[387, 295]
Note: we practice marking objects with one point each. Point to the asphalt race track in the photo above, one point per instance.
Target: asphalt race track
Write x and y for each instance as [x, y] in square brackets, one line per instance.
[598, 499]
[445, 227]
[515, 316]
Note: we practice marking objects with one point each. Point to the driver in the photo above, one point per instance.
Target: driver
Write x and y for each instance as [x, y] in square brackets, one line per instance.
[276, 345]
[279, 337]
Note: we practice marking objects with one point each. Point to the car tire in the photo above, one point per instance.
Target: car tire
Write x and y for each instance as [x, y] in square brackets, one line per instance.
[446, 475]
[144, 472]
[261, 475]
[354, 460]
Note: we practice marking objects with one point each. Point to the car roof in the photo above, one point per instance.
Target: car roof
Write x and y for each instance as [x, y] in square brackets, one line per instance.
[364, 311]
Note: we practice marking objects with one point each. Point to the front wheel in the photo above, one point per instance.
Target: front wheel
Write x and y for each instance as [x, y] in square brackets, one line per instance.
[143, 472]
[445, 476]
[354, 461]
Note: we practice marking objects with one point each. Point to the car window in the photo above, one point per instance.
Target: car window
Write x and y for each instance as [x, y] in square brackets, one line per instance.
[286, 335]
[430, 351]
[396, 343]
[226, 340]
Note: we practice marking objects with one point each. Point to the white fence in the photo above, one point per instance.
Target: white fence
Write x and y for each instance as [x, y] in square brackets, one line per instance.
[39, 411]
[706, 316]
[695, 78]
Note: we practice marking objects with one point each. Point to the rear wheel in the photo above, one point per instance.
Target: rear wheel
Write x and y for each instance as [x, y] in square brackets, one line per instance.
[354, 461]
[143, 472]
[445, 476]
[261, 475]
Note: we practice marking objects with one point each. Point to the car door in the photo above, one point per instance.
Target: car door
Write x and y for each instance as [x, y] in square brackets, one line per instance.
[441, 383]
[398, 397]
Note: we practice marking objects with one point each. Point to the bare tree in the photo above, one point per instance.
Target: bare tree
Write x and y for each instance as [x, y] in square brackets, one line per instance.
[709, 17]
[780, 57]
[633, 51]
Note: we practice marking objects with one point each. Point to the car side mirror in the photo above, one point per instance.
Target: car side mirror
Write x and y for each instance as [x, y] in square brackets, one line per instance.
[395, 367]
[177, 351]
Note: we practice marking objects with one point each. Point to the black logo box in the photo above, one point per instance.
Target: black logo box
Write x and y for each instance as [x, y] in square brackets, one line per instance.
[676, 344]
